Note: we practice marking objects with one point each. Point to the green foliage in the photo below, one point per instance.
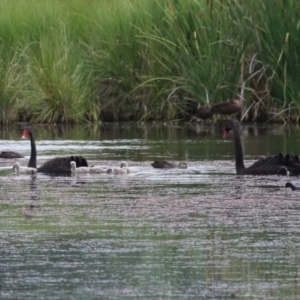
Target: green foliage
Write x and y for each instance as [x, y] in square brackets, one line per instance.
[57, 91]
[278, 43]
[11, 86]
[78, 61]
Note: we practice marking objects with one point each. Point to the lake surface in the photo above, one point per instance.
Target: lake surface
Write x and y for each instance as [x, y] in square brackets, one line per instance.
[198, 233]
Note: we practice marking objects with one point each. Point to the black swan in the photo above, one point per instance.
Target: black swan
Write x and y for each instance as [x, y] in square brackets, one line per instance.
[10, 154]
[269, 165]
[294, 188]
[54, 165]
[292, 162]
[162, 164]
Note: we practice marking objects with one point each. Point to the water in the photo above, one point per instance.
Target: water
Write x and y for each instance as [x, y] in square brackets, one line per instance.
[199, 233]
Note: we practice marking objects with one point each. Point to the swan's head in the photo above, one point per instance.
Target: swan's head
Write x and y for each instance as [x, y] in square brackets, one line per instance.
[26, 132]
[123, 164]
[228, 125]
[182, 165]
[16, 166]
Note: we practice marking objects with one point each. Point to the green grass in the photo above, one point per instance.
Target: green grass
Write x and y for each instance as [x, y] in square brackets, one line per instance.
[85, 61]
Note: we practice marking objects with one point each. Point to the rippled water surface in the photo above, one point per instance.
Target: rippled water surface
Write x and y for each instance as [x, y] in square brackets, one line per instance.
[199, 233]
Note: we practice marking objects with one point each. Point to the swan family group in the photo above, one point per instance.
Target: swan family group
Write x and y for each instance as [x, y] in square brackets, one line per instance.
[57, 165]
[123, 169]
[271, 165]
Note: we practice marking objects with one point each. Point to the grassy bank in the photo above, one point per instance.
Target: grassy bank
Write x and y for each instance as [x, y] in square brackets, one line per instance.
[77, 60]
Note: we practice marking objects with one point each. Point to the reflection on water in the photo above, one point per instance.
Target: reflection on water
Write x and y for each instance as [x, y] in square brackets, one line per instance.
[199, 233]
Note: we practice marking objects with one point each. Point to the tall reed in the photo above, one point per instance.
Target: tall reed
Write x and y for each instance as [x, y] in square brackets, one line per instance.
[11, 85]
[276, 63]
[77, 61]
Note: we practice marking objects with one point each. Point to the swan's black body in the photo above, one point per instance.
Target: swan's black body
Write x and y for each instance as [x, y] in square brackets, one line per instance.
[54, 165]
[292, 163]
[269, 165]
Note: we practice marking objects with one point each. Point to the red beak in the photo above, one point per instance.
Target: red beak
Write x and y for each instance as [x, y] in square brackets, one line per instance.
[225, 133]
[25, 134]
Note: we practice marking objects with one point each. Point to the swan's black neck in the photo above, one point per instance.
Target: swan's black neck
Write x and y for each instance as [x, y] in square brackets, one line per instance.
[32, 160]
[239, 155]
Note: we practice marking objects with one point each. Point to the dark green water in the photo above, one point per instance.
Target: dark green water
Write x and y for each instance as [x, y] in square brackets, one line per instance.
[200, 233]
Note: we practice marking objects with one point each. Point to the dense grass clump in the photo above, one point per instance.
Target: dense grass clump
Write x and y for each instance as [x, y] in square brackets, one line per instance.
[86, 61]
